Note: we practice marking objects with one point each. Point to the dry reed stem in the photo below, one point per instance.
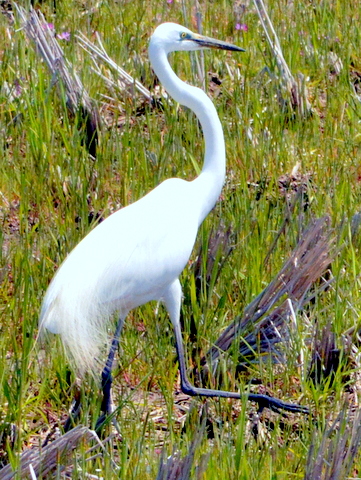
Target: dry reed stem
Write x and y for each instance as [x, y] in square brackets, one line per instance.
[62, 71]
[308, 262]
[335, 455]
[125, 82]
[54, 457]
[293, 90]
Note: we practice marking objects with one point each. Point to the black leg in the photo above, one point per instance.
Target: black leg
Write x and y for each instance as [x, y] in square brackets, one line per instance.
[264, 401]
[107, 379]
[74, 413]
[172, 301]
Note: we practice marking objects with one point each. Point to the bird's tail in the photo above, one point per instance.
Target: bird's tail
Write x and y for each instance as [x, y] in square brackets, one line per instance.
[82, 329]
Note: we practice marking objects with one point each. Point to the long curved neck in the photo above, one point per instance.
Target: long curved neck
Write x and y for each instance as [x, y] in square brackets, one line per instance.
[211, 179]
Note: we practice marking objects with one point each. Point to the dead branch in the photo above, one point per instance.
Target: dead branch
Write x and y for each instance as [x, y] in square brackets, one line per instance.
[125, 82]
[54, 457]
[62, 72]
[259, 331]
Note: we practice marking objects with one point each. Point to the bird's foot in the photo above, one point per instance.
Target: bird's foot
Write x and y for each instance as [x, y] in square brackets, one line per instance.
[276, 405]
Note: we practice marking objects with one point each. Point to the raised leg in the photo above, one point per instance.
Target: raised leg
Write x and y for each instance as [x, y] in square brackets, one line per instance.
[172, 300]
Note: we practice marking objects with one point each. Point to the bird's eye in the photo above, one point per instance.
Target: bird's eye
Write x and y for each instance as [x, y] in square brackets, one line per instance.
[183, 35]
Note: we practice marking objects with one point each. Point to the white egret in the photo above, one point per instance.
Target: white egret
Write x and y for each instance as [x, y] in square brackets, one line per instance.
[137, 253]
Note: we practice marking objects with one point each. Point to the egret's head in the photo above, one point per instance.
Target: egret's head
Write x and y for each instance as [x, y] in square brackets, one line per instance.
[173, 37]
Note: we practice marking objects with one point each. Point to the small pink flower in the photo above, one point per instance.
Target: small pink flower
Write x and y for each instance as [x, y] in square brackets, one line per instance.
[169, 1]
[48, 26]
[17, 88]
[64, 36]
[242, 26]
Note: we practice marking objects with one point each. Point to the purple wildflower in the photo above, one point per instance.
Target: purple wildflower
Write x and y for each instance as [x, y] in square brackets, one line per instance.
[48, 26]
[242, 26]
[64, 36]
[17, 88]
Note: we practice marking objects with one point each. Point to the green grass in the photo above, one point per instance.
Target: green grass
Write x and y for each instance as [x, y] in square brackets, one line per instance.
[49, 185]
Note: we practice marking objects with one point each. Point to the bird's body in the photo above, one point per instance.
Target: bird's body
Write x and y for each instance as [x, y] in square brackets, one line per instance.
[137, 254]
[126, 261]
